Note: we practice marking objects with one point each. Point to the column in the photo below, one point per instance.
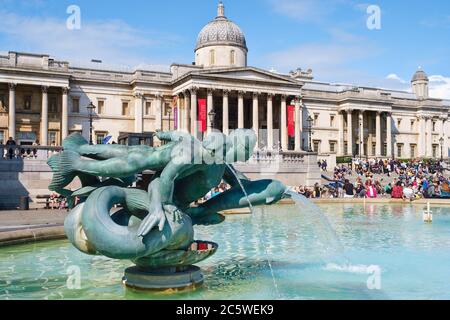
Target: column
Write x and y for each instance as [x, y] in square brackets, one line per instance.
[194, 122]
[283, 124]
[429, 143]
[209, 108]
[12, 111]
[341, 134]
[225, 113]
[158, 112]
[186, 111]
[298, 124]
[378, 135]
[179, 126]
[270, 121]
[443, 135]
[421, 141]
[241, 109]
[65, 114]
[138, 113]
[361, 133]
[255, 117]
[389, 135]
[44, 117]
[349, 132]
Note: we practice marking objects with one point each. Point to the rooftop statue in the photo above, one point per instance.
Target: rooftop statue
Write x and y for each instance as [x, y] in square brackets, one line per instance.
[154, 228]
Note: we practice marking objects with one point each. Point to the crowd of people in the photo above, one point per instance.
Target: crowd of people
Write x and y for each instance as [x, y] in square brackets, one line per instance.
[407, 180]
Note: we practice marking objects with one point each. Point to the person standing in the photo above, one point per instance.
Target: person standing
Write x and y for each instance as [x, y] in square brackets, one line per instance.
[349, 189]
[11, 150]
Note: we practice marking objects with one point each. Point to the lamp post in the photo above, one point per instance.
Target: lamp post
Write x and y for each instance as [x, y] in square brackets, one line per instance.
[310, 121]
[212, 117]
[90, 109]
[441, 142]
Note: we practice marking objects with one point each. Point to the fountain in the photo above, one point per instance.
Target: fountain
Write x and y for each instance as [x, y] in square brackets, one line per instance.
[154, 228]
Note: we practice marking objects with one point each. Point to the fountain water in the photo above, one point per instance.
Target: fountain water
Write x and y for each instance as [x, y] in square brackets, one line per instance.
[264, 244]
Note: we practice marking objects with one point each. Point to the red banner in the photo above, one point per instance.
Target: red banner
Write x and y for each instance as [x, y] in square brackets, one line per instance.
[291, 120]
[202, 114]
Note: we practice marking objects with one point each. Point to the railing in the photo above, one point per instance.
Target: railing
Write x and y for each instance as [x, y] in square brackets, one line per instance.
[266, 157]
[27, 152]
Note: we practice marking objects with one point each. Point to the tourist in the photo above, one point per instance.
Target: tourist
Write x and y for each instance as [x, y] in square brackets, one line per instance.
[11, 150]
[2, 152]
[349, 189]
[397, 191]
[371, 191]
[388, 189]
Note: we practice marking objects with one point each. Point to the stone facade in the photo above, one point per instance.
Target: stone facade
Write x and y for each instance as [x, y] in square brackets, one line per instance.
[44, 99]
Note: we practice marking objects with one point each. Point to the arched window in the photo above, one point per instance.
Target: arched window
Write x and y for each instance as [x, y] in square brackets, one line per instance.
[232, 57]
[212, 57]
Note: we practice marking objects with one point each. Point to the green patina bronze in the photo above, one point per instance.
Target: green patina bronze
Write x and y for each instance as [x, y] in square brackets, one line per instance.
[154, 228]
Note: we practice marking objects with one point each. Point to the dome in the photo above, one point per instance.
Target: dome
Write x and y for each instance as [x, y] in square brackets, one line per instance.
[221, 31]
[420, 75]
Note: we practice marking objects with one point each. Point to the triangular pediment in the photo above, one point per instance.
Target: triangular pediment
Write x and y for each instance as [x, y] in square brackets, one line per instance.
[252, 74]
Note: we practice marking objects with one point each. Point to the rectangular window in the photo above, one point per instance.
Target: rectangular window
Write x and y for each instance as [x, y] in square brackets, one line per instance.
[413, 123]
[212, 57]
[2, 138]
[232, 57]
[76, 105]
[434, 126]
[333, 146]
[101, 106]
[332, 117]
[125, 108]
[149, 108]
[374, 148]
[399, 123]
[385, 149]
[435, 152]
[167, 109]
[52, 138]
[2, 103]
[413, 150]
[99, 137]
[316, 146]
[399, 150]
[53, 106]
[346, 148]
[316, 120]
[27, 102]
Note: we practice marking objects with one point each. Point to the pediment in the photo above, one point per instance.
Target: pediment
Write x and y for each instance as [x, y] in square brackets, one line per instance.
[251, 74]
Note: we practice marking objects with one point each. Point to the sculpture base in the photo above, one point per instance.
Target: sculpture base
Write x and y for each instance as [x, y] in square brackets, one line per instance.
[168, 280]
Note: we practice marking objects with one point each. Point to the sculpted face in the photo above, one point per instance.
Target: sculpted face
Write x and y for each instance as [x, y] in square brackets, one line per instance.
[242, 143]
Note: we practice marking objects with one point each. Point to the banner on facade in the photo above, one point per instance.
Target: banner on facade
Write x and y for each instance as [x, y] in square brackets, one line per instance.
[291, 120]
[175, 111]
[202, 114]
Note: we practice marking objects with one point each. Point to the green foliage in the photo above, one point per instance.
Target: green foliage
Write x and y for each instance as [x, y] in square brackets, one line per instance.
[343, 160]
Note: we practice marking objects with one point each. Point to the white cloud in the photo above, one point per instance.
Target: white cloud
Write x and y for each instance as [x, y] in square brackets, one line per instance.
[112, 41]
[439, 87]
[395, 77]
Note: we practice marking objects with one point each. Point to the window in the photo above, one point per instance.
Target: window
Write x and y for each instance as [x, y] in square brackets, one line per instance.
[27, 102]
[212, 57]
[99, 137]
[333, 146]
[385, 149]
[434, 126]
[399, 123]
[52, 138]
[125, 108]
[101, 106]
[167, 107]
[149, 108]
[76, 105]
[316, 144]
[232, 57]
[53, 107]
[2, 138]
[316, 120]
[346, 148]
[413, 125]
[374, 149]
[435, 152]
[413, 150]
[399, 150]
[2, 103]
[332, 117]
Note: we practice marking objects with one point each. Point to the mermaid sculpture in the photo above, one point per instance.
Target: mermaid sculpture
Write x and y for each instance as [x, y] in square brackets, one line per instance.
[154, 228]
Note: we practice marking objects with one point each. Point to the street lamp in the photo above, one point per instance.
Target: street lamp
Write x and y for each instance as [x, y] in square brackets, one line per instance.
[441, 142]
[212, 117]
[90, 109]
[310, 122]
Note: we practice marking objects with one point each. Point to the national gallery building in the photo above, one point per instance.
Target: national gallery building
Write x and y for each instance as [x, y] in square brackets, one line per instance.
[45, 100]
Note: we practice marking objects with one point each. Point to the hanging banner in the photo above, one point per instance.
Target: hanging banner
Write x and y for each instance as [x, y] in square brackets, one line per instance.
[291, 120]
[202, 114]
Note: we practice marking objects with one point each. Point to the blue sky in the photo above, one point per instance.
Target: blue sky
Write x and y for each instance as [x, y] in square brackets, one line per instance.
[328, 36]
